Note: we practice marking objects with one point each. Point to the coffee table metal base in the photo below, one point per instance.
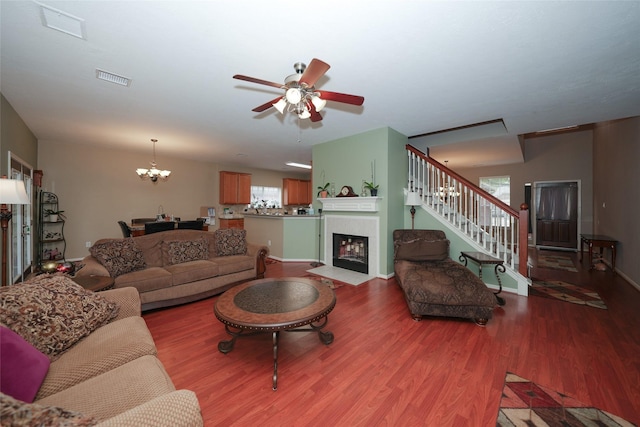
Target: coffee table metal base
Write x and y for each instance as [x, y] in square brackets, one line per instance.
[225, 347]
[275, 305]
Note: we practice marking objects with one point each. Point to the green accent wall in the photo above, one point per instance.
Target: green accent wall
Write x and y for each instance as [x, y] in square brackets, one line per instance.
[352, 160]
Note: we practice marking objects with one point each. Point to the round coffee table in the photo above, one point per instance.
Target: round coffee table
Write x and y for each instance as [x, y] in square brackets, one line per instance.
[274, 305]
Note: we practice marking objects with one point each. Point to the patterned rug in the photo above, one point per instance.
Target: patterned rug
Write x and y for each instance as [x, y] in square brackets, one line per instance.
[556, 262]
[528, 404]
[563, 291]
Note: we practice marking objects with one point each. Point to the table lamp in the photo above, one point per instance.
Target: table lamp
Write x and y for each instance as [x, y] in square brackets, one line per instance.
[413, 199]
[12, 192]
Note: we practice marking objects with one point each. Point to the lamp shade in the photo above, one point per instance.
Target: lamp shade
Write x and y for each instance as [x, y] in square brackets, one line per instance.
[13, 192]
[413, 199]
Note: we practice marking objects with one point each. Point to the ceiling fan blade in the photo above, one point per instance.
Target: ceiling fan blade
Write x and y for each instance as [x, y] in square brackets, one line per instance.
[315, 116]
[341, 97]
[266, 106]
[314, 71]
[259, 81]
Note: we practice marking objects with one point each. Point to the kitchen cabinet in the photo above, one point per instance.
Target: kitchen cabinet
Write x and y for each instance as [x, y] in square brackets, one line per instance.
[296, 192]
[235, 188]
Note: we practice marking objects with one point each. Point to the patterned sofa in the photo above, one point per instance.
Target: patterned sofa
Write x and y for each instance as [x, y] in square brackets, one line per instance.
[72, 357]
[177, 266]
[434, 284]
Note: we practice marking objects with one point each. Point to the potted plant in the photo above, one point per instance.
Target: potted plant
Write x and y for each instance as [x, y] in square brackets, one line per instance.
[323, 190]
[53, 215]
[373, 188]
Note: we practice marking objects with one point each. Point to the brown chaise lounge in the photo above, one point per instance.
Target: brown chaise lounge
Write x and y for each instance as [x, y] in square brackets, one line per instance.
[434, 284]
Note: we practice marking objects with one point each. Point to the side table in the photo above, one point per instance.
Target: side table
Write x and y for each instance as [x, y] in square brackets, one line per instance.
[94, 283]
[599, 241]
[481, 259]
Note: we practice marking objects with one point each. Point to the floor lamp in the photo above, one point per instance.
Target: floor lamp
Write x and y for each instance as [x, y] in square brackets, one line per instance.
[12, 192]
[413, 199]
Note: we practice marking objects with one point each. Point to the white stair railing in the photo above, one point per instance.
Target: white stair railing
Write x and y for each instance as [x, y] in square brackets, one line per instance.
[497, 228]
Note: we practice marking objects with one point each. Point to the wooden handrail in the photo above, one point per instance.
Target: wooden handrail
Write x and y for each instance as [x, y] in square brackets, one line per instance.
[519, 218]
[465, 181]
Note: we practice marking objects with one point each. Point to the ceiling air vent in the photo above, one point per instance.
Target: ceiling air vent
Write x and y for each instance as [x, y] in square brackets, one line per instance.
[113, 78]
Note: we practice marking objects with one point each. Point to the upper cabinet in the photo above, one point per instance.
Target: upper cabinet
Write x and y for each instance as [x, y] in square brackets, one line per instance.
[235, 188]
[296, 192]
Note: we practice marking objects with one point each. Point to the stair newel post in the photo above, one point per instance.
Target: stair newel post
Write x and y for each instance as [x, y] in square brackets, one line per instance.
[523, 238]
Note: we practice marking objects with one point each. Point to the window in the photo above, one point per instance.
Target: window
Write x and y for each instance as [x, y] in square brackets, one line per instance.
[500, 188]
[266, 197]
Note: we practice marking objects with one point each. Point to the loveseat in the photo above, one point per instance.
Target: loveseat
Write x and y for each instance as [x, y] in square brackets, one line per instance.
[70, 356]
[435, 285]
[177, 266]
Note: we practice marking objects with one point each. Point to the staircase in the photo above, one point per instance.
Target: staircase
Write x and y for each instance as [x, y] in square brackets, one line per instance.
[487, 223]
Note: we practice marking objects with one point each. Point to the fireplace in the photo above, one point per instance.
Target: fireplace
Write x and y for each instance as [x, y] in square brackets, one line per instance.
[351, 252]
[355, 225]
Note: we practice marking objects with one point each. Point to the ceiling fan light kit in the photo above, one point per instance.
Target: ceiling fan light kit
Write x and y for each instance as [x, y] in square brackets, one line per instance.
[300, 95]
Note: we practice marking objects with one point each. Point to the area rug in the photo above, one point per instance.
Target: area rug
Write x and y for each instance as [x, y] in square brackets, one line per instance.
[563, 291]
[525, 403]
[556, 262]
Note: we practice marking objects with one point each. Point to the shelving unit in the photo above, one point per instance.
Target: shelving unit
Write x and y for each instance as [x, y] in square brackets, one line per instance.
[52, 244]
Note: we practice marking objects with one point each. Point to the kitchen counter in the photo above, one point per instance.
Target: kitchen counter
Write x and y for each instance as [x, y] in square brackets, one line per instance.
[289, 237]
[279, 216]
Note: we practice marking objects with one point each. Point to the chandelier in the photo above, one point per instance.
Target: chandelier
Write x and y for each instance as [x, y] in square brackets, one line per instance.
[299, 97]
[154, 173]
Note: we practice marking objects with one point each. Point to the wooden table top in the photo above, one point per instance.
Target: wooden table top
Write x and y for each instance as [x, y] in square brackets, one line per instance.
[275, 304]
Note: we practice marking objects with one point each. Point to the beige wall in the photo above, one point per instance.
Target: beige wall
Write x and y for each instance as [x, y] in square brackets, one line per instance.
[616, 153]
[98, 186]
[558, 157]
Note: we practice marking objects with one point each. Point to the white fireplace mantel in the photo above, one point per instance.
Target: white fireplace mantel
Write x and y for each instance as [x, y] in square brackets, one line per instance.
[350, 204]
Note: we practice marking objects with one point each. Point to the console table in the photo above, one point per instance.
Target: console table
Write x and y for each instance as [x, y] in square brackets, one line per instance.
[601, 242]
[481, 259]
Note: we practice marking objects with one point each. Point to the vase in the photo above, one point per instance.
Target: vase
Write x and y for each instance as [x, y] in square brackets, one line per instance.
[374, 192]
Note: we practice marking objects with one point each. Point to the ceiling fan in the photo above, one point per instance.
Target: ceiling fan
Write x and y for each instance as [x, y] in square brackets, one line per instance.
[300, 95]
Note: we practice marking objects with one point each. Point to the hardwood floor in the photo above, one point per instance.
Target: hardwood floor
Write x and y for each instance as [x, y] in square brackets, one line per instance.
[386, 369]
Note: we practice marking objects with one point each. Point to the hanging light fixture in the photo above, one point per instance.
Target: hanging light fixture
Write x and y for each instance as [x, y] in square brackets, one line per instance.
[154, 173]
[299, 98]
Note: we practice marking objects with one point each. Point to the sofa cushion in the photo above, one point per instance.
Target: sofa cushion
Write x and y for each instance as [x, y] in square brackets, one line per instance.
[105, 349]
[14, 412]
[53, 312]
[146, 280]
[117, 390]
[180, 251]
[23, 367]
[192, 271]
[234, 264]
[231, 241]
[423, 250]
[118, 256]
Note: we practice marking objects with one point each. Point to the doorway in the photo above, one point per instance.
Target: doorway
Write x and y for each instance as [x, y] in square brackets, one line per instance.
[21, 250]
[556, 211]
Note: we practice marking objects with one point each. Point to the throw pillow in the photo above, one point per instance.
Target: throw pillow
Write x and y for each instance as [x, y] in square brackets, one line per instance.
[52, 313]
[423, 250]
[179, 251]
[23, 367]
[231, 241]
[17, 413]
[118, 256]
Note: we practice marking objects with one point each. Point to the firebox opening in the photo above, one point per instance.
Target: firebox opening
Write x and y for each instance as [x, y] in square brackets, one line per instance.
[351, 252]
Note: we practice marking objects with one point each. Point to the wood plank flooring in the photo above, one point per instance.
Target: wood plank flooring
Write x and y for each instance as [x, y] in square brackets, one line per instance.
[386, 369]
